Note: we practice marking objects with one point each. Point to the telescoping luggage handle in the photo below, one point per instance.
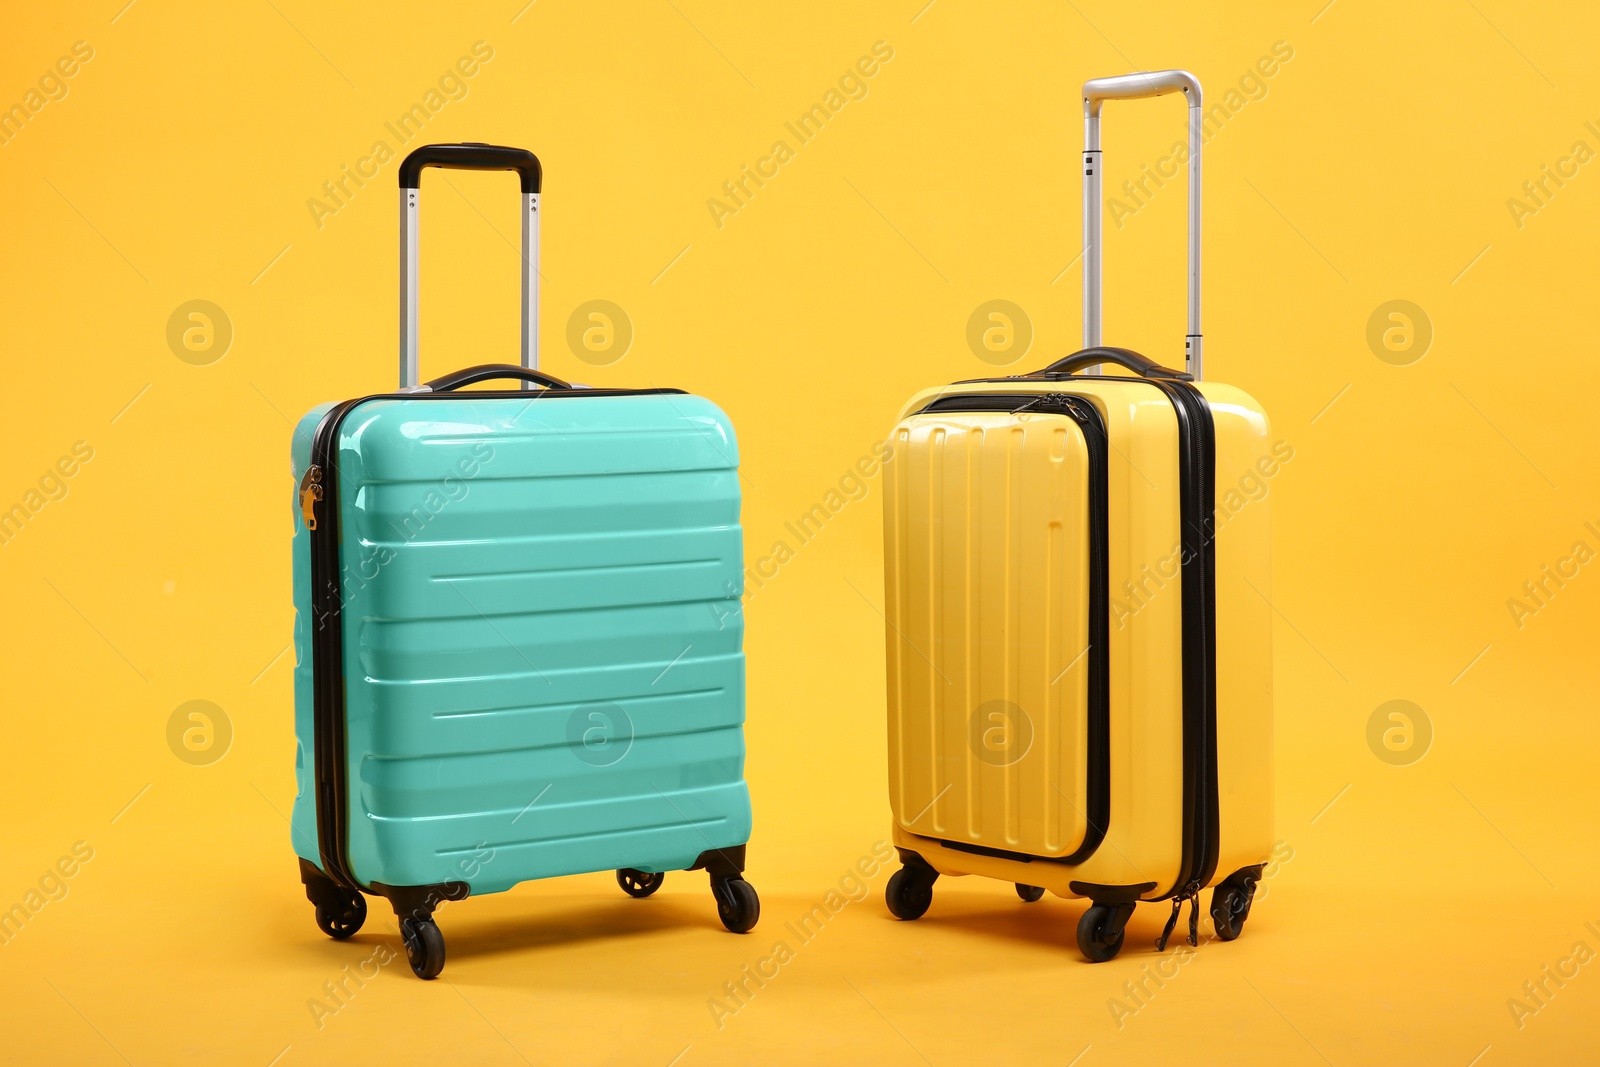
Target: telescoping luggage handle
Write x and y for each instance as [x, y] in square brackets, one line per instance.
[469, 156]
[1096, 92]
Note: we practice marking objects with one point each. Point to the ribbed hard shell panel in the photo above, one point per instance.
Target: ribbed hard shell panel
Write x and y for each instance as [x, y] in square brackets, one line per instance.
[987, 578]
[542, 638]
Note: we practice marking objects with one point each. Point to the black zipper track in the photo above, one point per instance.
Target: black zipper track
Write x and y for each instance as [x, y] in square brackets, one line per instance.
[331, 755]
[1198, 566]
[1097, 780]
[1197, 505]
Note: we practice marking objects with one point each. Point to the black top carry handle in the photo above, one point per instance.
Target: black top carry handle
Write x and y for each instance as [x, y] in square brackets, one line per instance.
[486, 372]
[472, 155]
[1122, 357]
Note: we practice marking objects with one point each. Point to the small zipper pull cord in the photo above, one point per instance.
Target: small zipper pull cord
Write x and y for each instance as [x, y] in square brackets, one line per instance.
[1172, 924]
[1191, 894]
[1060, 400]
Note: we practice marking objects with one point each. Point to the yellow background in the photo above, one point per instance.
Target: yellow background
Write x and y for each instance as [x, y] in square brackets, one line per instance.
[1378, 166]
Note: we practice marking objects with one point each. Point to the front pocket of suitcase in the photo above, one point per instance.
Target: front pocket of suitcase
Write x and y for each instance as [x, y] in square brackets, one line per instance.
[993, 704]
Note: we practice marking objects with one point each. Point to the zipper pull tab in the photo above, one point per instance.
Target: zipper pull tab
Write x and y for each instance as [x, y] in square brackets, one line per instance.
[1172, 924]
[1191, 895]
[310, 493]
[1044, 400]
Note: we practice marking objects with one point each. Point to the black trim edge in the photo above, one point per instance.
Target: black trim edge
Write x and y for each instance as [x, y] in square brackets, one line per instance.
[912, 858]
[993, 853]
[1245, 874]
[321, 890]
[418, 901]
[1111, 894]
[1003, 854]
[720, 863]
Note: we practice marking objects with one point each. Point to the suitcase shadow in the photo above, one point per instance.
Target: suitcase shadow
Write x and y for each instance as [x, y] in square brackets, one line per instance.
[1050, 924]
[548, 923]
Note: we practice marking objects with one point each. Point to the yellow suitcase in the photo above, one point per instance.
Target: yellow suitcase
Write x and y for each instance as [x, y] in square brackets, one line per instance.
[1079, 632]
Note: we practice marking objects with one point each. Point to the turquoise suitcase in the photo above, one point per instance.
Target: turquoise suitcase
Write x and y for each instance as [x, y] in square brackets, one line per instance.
[518, 637]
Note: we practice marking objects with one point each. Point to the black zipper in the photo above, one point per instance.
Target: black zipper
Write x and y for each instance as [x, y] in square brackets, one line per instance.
[319, 505]
[1197, 505]
[1097, 781]
[1197, 510]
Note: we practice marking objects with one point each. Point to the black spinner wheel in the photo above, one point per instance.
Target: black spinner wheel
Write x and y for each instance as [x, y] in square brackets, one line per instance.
[1101, 930]
[737, 904]
[909, 892]
[424, 947]
[1230, 907]
[342, 920]
[639, 883]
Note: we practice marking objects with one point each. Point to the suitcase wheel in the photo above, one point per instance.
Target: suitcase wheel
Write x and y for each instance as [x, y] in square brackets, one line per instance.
[1030, 893]
[1101, 930]
[638, 883]
[910, 891]
[737, 904]
[1230, 907]
[341, 920]
[424, 946]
